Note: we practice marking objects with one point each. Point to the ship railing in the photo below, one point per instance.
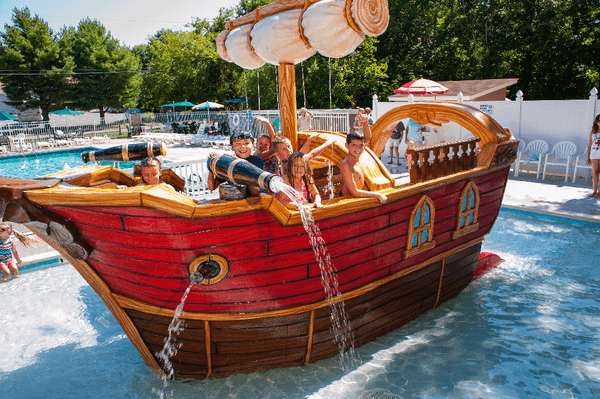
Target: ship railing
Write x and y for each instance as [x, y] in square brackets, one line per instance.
[443, 159]
[193, 172]
[195, 175]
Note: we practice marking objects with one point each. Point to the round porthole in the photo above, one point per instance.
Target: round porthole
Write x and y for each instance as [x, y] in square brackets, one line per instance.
[213, 268]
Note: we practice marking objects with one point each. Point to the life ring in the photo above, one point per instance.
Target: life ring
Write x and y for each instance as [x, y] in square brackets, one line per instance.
[235, 121]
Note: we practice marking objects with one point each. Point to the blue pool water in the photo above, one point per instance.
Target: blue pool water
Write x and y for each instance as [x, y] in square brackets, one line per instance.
[40, 164]
[529, 328]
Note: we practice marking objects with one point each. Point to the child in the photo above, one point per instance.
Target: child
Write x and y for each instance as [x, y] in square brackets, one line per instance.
[408, 157]
[7, 250]
[264, 147]
[152, 172]
[351, 169]
[299, 176]
[283, 148]
[242, 144]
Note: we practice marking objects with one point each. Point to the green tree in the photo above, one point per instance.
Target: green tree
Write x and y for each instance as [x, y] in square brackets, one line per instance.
[34, 69]
[107, 74]
[181, 66]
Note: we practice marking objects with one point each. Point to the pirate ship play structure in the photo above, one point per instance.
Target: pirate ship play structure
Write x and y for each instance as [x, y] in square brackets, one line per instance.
[262, 304]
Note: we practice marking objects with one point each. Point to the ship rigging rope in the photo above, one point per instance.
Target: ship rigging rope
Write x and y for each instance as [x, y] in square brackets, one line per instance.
[246, 89]
[329, 61]
[257, 87]
[303, 86]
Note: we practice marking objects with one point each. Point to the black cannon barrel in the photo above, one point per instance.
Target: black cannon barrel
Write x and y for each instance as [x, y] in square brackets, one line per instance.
[240, 171]
[125, 152]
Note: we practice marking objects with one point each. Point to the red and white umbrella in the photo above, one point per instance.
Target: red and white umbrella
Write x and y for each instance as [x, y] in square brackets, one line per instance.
[421, 86]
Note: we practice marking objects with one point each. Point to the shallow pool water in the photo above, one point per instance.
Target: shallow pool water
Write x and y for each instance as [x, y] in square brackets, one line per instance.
[529, 328]
[40, 164]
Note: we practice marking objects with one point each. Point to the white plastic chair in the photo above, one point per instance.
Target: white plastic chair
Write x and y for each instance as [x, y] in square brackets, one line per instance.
[522, 146]
[562, 153]
[534, 152]
[584, 165]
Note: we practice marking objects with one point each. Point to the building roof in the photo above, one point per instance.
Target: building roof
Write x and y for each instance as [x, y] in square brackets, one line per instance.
[470, 89]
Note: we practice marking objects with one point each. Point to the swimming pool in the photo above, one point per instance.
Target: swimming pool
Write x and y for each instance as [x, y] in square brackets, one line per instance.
[24, 166]
[529, 328]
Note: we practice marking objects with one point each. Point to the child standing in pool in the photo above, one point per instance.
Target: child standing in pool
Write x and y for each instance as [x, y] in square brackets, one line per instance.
[299, 176]
[8, 251]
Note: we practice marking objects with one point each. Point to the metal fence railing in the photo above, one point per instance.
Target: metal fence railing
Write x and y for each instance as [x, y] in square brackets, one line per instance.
[220, 123]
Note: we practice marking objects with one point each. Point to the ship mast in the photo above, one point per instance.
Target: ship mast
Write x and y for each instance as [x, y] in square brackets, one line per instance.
[287, 103]
[287, 32]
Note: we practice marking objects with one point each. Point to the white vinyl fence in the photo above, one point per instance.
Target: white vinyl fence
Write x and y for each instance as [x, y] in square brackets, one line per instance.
[552, 121]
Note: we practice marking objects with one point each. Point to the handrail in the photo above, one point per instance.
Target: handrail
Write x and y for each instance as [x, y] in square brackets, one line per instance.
[426, 164]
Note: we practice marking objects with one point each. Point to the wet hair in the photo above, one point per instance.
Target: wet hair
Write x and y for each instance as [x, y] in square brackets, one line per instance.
[308, 175]
[241, 134]
[21, 237]
[595, 128]
[355, 135]
[278, 141]
[267, 135]
[151, 162]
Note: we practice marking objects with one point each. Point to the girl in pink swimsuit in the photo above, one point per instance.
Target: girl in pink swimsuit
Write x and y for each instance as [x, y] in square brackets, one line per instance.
[299, 176]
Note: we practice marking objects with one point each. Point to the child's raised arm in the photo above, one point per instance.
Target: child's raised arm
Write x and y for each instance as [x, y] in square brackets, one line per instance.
[315, 151]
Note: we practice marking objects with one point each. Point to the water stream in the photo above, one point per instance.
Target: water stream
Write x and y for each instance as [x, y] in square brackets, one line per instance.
[329, 188]
[170, 348]
[341, 329]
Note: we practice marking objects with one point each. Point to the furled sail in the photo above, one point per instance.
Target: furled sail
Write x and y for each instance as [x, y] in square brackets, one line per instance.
[290, 31]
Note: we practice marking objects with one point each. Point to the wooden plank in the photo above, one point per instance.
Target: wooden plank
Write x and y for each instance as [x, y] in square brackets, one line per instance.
[177, 277]
[289, 244]
[81, 215]
[184, 255]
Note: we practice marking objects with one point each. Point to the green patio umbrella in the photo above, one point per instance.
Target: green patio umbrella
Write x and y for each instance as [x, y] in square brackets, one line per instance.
[179, 104]
[5, 116]
[66, 111]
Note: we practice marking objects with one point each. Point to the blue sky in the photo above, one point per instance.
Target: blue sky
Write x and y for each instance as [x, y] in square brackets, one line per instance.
[129, 21]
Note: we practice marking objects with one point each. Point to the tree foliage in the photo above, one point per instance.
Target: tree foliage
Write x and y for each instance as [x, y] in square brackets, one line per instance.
[551, 46]
[35, 70]
[107, 74]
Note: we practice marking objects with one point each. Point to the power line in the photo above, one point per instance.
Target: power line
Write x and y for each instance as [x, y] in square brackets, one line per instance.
[45, 72]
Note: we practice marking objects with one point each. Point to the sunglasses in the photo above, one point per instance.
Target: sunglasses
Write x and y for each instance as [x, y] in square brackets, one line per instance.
[3, 229]
[241, 133]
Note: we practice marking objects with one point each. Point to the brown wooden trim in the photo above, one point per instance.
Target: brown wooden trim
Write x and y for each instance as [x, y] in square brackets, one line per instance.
[421, 246]
[474, 226]
[311, 327]
[172, 202]
[439, 292]
[140, 306]
[207, 346]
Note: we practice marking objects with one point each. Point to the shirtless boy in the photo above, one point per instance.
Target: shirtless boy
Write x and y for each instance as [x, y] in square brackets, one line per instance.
[351, 168]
